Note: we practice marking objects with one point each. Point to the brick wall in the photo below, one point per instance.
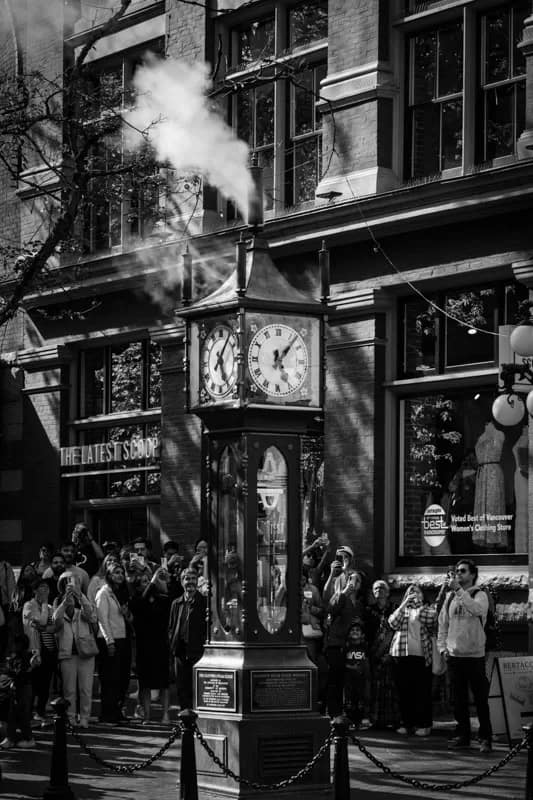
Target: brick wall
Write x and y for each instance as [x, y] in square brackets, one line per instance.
[181, 455]
[353, 474]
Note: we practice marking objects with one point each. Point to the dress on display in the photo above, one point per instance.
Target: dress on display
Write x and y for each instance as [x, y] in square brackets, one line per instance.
[489, 499]
[521, 454]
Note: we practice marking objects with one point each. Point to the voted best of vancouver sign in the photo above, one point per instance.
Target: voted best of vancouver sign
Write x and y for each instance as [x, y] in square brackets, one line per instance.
[111, 452]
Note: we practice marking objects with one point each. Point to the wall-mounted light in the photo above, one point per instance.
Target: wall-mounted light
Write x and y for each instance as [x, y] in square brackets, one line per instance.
[508, 408]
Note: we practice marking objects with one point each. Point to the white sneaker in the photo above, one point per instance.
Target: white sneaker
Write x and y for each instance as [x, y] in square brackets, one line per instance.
[6, 743]
[423, 732]
[402, 731]
[25, 744]
[365, 724]
[84, 723]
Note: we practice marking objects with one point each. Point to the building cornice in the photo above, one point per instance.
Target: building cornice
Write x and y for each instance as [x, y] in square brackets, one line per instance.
[43, 357]
[402, 210]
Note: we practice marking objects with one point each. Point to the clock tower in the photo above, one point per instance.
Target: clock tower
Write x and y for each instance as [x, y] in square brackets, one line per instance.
[255, 376]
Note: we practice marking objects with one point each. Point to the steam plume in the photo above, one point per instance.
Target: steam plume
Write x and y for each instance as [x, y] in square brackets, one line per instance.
[172, 102]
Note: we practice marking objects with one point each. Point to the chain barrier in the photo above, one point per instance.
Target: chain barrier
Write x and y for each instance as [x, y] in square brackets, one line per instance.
[264, 786]
[128, 769]
[125, 769]
[417, 784]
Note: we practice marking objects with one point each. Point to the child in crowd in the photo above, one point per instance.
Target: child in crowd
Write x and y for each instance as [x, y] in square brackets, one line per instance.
[18, 667]
[357, 678]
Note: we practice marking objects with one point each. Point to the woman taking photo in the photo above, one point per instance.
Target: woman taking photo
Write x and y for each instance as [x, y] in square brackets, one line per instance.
[150, 606]
[75, 617]
[113, 645]
[40, 628]
[413, 622]
[385, 712]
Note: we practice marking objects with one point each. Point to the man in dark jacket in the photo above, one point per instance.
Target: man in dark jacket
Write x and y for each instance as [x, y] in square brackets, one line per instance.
[187, 629]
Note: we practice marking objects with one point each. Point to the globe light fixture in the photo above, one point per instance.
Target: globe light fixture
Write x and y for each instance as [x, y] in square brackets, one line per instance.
[521, 338]
[508, 409]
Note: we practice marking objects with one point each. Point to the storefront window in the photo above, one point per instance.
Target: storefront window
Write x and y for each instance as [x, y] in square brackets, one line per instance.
[120, 461]
[118, 378]
[127, 377]
[456, 329]
[464, 477]
[272, 540]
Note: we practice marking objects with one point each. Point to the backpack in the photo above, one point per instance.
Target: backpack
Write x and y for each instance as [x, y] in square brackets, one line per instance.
[491, 627]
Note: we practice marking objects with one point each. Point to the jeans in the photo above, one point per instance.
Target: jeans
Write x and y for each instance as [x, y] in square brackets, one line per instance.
[413, 682]
[41, 678]
[465, 673]
[19, 715]
[114, 678]
[335, 657]
[184, 679]
[78, 675]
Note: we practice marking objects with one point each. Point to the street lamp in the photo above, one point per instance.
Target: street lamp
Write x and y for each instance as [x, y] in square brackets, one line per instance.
[508, 408]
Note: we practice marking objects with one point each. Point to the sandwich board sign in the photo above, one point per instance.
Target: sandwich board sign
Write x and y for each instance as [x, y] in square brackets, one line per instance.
[511, 695]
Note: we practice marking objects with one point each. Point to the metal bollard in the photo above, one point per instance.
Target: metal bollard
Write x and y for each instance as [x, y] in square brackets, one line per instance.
[528, 731]
[58, 788]
[341, 769]
[188, 779]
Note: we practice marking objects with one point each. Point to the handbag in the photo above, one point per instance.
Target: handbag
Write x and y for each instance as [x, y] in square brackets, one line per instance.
[85, 641]
[438, 662]
[308, 632]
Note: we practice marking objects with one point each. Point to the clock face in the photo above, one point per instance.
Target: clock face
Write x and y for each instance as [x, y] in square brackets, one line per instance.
[278, 360]
[218, 361]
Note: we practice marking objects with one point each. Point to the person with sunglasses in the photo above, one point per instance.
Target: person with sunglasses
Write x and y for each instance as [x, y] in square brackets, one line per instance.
[461, 638]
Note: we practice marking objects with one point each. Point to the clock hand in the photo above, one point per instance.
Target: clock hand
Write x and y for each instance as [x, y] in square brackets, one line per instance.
[286, 349]
[219, 362]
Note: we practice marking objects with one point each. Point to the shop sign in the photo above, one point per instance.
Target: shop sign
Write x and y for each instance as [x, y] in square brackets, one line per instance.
[434, 526]
[511, 695]
[492, 525]
[111, 452]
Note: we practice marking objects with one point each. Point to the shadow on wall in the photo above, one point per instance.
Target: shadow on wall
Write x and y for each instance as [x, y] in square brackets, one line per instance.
[350, 478]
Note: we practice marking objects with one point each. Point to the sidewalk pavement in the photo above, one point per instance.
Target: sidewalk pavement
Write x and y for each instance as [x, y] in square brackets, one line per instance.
[26, 772]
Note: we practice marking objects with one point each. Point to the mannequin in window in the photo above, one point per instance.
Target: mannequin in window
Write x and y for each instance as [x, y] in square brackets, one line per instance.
[490, 490]
[521, 454]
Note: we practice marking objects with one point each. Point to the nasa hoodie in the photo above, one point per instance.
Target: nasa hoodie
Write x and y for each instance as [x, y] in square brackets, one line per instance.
[461, 623]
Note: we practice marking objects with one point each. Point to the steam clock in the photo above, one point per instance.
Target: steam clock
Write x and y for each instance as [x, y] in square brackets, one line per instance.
[255, 376]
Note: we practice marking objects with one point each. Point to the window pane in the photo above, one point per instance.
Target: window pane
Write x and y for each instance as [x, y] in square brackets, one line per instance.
[476, 309]
[420, 333]
[264, 115]
[455, 457]
[244, 116]
[126, 377]
[154, 378]
[229, 567]
[304, 103]
[92, 402]
[266, 161]
[306, 169]
[256, 41]
[320, 73]
[425, 140]
[520, 12]
[452, 134]
[308, 22]
[499, 121]
[272, 540]
[450, 60]
[424, 67]
[497, 66]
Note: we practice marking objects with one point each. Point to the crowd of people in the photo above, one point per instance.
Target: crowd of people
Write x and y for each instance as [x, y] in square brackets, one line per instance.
[111, 612]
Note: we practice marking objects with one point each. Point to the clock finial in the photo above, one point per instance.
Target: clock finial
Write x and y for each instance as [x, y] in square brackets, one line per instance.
[255, 201]
[186, 281]
[241, 265]
[323, 262]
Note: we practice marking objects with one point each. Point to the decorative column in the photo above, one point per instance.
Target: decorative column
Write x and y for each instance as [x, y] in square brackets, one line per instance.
[525, 142]
[523, 272]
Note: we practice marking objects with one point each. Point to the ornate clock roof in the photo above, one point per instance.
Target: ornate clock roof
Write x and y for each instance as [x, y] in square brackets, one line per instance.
[257, 282]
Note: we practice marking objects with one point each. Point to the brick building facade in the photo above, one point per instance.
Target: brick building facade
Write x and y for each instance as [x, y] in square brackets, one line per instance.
[412, 163]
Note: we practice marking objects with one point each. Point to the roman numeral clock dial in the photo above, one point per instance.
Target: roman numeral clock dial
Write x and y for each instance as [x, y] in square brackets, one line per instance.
[218, 362]
[278, 360]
